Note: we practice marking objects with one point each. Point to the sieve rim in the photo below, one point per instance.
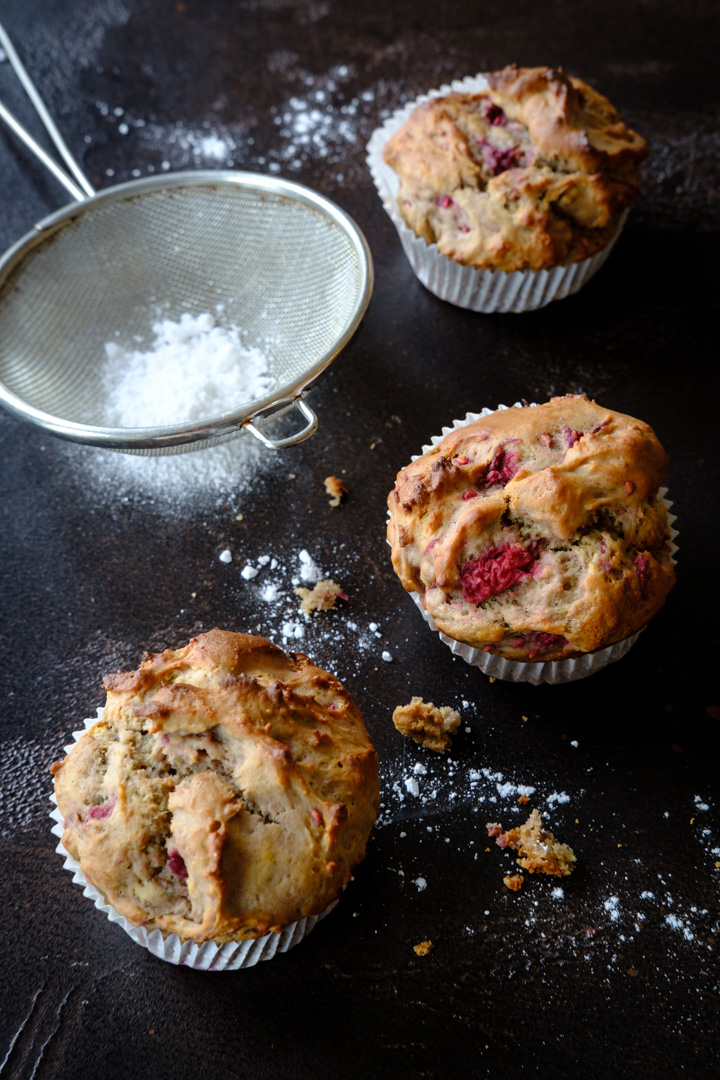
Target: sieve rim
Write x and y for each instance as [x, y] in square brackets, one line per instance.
[209, 429]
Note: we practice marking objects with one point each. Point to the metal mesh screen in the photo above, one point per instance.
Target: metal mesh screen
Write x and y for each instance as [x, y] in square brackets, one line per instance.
[286, 274]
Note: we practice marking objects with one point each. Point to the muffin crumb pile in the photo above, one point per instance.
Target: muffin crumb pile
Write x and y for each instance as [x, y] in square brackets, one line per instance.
[538, 849]
[321, 597]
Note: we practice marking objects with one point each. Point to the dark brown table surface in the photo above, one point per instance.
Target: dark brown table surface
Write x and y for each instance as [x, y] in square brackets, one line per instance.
[625, 765]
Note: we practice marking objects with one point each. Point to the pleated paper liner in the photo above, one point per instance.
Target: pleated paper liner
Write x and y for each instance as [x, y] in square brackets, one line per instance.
[209, 956]
[484, 291]
[536, 672]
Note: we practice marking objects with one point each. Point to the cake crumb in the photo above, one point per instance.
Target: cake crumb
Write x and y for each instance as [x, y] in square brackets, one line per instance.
[426, 724]
[423, 948]
[514, 882]
[538, 848]
[321, 597]
[336, 489]
[523, 799]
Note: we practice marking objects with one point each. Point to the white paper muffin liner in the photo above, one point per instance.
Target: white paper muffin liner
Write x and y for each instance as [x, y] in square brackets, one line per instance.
[231, 956]
[485, 291]
[536, 672]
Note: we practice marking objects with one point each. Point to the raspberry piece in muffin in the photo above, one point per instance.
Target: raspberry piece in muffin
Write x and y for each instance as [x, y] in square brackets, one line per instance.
[494, 571]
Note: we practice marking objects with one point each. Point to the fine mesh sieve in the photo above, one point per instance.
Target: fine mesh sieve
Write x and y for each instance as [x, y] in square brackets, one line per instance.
[281, 262]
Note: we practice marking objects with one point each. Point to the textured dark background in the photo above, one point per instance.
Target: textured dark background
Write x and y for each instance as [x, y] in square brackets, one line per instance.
[514, 982]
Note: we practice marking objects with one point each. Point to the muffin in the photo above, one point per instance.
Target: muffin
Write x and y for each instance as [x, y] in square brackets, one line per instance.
[536, 534]
[532, 173]
[519, 170]
[227, 792]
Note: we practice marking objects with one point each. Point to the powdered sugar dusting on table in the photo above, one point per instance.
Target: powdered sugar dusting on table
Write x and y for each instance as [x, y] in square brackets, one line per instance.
[338, 639]
[597, 920]
[168, 485]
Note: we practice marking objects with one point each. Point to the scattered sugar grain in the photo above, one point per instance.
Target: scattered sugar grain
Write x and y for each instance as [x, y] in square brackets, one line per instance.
[309, 570]
[225, 556]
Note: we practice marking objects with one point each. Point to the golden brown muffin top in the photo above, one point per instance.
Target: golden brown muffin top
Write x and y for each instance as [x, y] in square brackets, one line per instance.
[530, 174]
[536, 532]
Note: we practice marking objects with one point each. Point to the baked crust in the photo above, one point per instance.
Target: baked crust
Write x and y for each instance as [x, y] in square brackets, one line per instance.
[531, 174]
[536, 533]
[228, 791]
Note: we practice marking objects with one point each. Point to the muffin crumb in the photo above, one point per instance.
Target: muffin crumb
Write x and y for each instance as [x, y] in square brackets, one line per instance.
[514, 882]
[321, 597]
[336, 489]
[423, 948]
[426, 724]
[537, 847]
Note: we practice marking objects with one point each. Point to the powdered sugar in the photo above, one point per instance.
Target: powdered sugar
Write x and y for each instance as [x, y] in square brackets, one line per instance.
[335, 639]
[318, 122]
[309, 570]
[195, 370]
[216, 475]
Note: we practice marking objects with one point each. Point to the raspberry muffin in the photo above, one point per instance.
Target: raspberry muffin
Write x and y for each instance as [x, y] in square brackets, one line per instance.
[536, 533]
[519, 170]
[532, 173]
[227, 792]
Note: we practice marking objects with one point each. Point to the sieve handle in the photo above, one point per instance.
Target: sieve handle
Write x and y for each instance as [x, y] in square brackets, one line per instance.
[83, 188]
[300, 436]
